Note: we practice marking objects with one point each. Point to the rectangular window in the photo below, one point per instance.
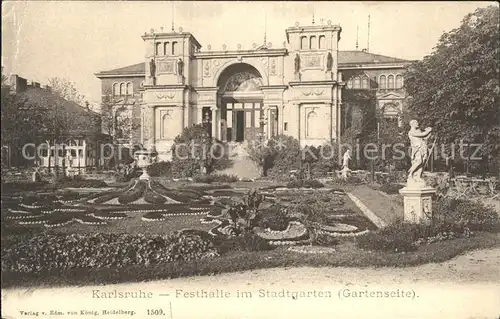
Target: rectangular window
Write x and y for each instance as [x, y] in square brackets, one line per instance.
[73, 153]
[229, 119]
[238, 105]
[248, 119]
[285, 126]
[257, 117]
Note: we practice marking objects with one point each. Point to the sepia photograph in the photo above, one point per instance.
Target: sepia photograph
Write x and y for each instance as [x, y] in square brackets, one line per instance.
[250, 159]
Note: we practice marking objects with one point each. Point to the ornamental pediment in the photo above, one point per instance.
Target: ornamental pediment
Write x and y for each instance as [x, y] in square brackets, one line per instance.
[390, 95]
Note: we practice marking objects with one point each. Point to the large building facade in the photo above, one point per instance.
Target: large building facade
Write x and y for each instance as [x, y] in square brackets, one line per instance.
[244, 94]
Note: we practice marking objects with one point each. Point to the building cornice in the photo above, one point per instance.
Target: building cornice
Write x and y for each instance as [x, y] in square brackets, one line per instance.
[102, 75]
[375, 65]
[312, 83]
[242, 53]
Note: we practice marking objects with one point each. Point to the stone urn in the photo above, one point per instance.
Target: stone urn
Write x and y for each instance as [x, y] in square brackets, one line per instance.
[143, 159]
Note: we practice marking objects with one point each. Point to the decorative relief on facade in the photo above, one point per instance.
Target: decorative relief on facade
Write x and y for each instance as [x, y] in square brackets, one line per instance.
[273, 69]
[243, 81]
[216, 63]
[316, 92]
[166, 67]
[265, 63]
[206, 68]
[312, 62]
[167, 95]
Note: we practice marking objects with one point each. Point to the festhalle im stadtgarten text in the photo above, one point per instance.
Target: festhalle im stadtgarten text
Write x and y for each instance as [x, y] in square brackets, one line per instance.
[285, 293]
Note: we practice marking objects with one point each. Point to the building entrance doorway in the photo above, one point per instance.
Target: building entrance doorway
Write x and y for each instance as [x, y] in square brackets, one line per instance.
[240, 126]
[242, 121]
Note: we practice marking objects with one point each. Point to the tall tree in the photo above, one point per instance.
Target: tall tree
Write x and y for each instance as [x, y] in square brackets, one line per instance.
[67, 90]
[456, 88]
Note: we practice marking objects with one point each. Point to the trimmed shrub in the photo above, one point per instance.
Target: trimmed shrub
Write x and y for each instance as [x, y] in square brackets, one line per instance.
[46, 252]
[304, 183]
[215, 178]
[133, 194]
[160, 169]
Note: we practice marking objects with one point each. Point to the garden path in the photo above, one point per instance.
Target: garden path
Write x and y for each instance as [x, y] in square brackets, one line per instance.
[463, 287]
[242, 167]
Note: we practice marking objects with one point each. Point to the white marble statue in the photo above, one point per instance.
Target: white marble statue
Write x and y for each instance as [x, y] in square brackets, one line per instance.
[345, 164]
[419, 152]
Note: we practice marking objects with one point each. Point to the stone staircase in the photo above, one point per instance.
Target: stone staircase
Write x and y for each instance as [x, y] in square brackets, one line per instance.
[242, 167]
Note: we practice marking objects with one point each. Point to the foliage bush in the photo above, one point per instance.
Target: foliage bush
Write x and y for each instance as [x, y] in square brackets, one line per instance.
[304, 183]
[160, 169]
[275, 218]
[451, 218]
[58, 252]
[397, 237]
[194, 149]
[465, 213]
[316, 207]
[211, 178]
[286, 155]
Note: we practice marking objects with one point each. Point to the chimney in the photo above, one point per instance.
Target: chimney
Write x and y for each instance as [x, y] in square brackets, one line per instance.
[17, 84]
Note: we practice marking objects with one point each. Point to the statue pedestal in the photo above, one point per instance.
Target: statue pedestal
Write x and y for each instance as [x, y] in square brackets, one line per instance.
[417, 202]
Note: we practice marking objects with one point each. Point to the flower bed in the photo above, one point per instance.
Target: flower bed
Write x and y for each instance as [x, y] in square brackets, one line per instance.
[58, 252]
[134, 193]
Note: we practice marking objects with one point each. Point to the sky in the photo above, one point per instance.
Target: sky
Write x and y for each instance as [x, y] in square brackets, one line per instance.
[76, 39]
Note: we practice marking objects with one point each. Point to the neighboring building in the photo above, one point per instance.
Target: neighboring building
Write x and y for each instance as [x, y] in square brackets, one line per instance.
[244, 94]
[78, 149]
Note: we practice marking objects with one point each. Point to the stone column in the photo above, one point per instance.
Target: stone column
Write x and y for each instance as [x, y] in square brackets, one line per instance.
[265, 111]
[199, 114]
[299, 120]
[215, 121]
[151, 121]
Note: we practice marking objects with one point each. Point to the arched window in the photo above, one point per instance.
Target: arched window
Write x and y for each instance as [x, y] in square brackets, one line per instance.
[174, 47]
[166, 48]
[303, 43]
[322, 41]
[399, 81]
[383, 82]
[116, 89]
[130, 89]
[158, 47]
[356, 83]
[122, 89]
[311, 124]
[390, 82]
[349, 84]
[365, 83]
[312, 42]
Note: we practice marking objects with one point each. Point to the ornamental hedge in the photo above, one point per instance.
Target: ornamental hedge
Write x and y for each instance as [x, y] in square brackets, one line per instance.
[45, 252]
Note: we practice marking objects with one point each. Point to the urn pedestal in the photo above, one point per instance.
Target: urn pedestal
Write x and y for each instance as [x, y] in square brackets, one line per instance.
[144, 158]
[417, 203]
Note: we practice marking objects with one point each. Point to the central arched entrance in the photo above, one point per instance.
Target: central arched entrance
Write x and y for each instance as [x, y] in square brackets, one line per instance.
[240, 99]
